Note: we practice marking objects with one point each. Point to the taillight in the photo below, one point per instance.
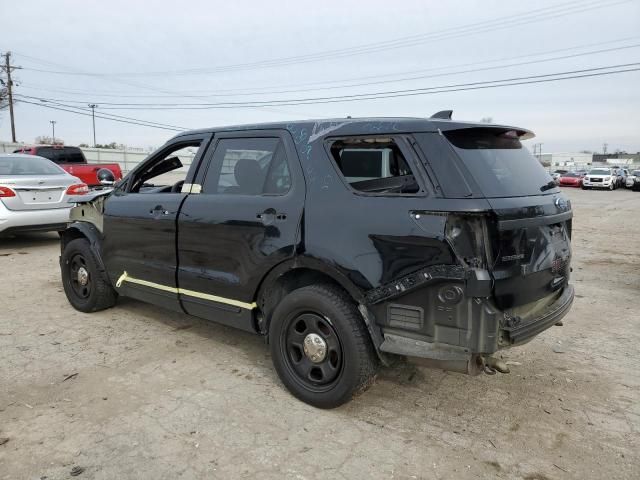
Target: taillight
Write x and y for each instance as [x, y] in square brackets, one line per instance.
[6, 192]
[78, 189]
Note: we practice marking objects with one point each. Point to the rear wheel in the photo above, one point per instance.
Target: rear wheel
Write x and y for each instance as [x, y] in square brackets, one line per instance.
[86, 287]
[320, 346]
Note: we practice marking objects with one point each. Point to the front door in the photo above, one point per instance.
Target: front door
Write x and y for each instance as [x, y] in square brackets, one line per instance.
[245, 221]
[140, 223]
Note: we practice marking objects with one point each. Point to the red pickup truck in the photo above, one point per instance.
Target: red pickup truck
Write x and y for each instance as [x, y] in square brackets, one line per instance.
[73, 161]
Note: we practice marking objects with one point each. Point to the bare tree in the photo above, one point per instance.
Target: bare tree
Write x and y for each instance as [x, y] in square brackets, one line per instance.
[486, 120]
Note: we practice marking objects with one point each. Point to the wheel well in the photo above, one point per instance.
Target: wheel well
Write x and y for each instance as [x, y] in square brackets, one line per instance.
[68, 235]
[270, 295]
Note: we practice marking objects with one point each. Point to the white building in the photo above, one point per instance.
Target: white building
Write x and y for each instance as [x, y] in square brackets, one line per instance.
[567, 159]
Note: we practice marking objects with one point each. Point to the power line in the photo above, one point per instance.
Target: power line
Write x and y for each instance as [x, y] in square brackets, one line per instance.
[101, 116]
[374, 95]
[531, 79]
[495, 67]
[509, 21]
[56, 103]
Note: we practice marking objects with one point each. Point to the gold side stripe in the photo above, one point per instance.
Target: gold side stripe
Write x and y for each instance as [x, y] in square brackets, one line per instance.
[183, 291]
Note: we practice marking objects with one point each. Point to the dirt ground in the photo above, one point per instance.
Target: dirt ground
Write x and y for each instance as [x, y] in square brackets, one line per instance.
[137, 392]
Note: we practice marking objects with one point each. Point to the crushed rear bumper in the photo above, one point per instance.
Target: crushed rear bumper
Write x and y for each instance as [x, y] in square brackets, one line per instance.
[518, 331]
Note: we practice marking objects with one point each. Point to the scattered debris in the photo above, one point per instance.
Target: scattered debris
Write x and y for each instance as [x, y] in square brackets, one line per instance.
[3, 440]
[75, 471]
[27, 405]
[73, 375]
[558, 348]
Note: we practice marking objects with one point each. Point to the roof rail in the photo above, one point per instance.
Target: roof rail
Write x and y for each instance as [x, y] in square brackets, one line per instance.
[443, 114]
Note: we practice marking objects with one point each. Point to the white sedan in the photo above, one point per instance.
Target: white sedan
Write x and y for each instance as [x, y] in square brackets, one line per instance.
[35, 194]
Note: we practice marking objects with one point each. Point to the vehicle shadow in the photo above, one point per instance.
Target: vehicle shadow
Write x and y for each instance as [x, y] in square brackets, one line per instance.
[255, 348]
[27, 240]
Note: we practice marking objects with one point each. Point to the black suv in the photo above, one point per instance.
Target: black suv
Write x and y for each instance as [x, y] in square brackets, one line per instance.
[344, 242]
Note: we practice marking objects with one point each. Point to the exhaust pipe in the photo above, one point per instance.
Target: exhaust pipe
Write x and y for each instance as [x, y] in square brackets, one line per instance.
[474, 365]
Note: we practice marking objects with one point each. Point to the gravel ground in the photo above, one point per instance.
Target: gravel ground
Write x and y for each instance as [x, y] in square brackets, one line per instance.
[138, 392]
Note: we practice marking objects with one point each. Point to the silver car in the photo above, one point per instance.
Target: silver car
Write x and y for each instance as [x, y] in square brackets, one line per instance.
[35, 194]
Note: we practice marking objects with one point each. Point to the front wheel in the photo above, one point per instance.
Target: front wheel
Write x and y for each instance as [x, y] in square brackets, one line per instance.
[612, 187]
[320, 346]
[86, 287]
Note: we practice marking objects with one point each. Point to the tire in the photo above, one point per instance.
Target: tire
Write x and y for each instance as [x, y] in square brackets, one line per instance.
[97, 293]
[612, 187]
[349, 364]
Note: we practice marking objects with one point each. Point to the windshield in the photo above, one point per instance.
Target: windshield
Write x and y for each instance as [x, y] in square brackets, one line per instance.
[499, 163]
[599, 171]
[571, 174]
[28, 165]
[636, 173]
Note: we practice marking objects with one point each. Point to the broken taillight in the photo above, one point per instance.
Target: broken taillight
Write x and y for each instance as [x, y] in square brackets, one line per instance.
[6, 192]
[78, 189]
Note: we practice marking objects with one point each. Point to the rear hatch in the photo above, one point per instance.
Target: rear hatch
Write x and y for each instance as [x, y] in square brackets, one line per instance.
[529, 227]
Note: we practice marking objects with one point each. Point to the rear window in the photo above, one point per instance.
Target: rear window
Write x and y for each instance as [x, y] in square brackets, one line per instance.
[62, 155]
[15, 166]
[499, 163]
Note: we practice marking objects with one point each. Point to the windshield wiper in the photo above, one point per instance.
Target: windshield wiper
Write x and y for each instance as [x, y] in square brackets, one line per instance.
[548, 186]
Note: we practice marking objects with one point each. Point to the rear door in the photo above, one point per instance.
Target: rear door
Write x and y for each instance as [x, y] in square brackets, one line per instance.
[139, 248]
[245, 220]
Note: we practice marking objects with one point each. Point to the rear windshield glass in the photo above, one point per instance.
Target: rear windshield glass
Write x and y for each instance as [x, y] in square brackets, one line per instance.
[499, 163]
[13, 166]
[62, 155]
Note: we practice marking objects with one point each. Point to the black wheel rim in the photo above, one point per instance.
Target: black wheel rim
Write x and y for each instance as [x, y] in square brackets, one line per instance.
[77, 265]
[316, 376]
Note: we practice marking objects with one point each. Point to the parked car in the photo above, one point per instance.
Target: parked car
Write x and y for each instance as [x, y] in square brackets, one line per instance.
[72, 160]
[600, 177]
[344, 242]
[633, 180]
[557, 174]
[35, 194]
[624, 173]
[571, 179]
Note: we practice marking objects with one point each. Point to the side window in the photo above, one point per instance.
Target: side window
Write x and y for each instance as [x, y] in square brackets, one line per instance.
[248, 166]
[373, 165]
[167, 173]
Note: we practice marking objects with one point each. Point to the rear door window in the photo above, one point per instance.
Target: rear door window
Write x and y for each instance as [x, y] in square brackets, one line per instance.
[374, 165]
[499, 163]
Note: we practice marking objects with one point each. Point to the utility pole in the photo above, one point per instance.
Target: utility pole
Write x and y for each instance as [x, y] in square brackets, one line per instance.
[604, 148]
[93, 107]
[53, 126]
[8, 69]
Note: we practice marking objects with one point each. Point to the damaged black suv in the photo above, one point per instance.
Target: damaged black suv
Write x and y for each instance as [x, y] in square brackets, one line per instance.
[344, 242]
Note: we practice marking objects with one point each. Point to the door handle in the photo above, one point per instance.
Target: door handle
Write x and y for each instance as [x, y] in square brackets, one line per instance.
[269, 216]
[158, 210]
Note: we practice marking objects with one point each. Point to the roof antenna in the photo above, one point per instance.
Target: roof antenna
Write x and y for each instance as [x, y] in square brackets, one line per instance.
[443, 114]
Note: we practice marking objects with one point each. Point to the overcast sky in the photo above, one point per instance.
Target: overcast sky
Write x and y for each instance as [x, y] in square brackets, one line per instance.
[172, 52]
